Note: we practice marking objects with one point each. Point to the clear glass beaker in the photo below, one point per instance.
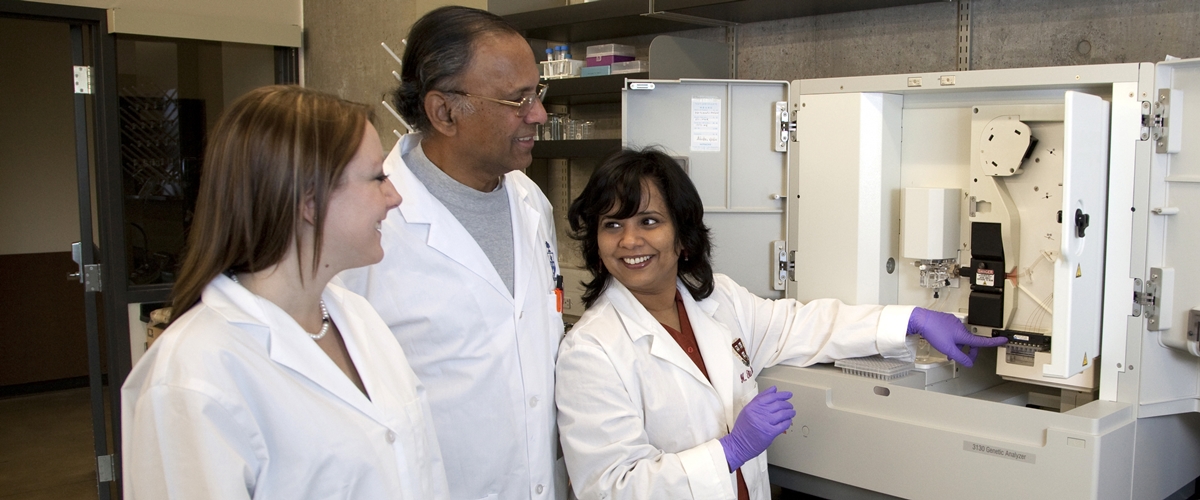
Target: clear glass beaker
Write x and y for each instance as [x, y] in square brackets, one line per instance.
[553, 130]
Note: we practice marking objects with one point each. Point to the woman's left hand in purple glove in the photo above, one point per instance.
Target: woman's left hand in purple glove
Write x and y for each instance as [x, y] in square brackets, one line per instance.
[946, 333]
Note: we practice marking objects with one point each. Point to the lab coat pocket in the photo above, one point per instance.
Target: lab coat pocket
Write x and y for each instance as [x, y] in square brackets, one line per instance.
[749, 390]
[493, 496]
[555, 313]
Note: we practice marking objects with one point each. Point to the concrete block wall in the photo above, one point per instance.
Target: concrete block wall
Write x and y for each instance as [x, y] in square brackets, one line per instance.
[1004, 34]
[342, 53]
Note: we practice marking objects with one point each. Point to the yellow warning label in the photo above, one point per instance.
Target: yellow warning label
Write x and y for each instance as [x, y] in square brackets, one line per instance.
[1085, 359]
[1078, 271]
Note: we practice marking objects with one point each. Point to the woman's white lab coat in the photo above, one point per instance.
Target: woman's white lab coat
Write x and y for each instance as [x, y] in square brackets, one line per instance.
[637, 419]
[235, 401]
[485, 354]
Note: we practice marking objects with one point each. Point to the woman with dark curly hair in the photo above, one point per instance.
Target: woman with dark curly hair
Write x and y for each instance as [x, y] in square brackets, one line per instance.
[656, 388]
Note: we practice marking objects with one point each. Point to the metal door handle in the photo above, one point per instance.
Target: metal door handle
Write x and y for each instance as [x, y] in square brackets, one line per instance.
[77, 256]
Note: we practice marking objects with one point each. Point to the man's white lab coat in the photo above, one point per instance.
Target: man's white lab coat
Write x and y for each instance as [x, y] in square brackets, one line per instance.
[485, 355]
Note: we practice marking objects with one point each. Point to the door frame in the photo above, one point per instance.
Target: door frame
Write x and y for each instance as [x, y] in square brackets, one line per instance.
[92, 45]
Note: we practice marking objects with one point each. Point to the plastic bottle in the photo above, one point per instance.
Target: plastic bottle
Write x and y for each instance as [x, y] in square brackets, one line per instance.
[556, 67]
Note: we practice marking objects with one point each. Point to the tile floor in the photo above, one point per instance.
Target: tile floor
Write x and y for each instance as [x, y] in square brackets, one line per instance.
[46, 447]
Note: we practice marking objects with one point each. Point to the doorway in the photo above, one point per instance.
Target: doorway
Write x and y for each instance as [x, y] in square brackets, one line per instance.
[94, 135]
[46, 429]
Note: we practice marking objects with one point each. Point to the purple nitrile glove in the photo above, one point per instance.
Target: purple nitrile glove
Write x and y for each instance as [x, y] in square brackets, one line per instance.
[945, 332]
[767, 416]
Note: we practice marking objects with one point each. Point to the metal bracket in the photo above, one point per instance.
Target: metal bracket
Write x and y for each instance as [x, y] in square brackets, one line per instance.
[1138, 297]
[1193, 325]
[964, 36]
[83, 79]
[784, 126]
[731, 39]
[684, 18]
[791, 266]
[105, 469]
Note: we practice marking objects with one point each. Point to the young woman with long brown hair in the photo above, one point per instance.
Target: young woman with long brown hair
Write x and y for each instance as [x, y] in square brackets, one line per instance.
[271, 382]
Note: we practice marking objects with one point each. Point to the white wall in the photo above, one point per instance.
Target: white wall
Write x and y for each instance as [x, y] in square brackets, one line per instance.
[39, 210]
[266, 22]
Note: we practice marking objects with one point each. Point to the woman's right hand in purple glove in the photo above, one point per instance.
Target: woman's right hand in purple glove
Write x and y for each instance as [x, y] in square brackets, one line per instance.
[764, 418]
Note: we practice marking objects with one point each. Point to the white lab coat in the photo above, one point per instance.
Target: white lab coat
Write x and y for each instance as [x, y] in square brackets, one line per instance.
[486, 356]
[235, 401]
[639, 420]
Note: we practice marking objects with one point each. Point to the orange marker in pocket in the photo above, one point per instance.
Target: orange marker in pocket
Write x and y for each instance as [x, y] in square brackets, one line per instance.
[558, 292]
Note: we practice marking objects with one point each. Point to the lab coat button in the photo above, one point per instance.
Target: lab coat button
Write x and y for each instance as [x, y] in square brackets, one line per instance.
[533, 403]
[391, 437]
[539, 489]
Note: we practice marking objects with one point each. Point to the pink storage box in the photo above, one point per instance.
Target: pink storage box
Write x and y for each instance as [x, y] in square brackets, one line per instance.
[604, 55]
[606, 60]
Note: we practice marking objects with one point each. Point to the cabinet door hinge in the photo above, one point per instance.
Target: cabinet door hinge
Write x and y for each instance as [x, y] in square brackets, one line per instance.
[1139, 298]
[106, 470]
[91, 278]
[779, 255]
[83, 79]
[1153, 298]
[785, 127]
[1157, 118]
[785, 265]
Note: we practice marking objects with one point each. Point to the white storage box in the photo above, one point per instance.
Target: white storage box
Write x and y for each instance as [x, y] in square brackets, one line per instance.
[630, 67]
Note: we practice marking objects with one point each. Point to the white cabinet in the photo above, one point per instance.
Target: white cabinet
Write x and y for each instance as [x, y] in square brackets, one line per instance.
[1077, 235]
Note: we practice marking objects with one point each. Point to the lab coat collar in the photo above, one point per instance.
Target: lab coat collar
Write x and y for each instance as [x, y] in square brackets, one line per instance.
[289, 345]
[640, 323]
[446, 234]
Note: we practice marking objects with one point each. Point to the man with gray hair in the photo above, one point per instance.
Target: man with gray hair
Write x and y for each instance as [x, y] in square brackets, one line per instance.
[470, 276]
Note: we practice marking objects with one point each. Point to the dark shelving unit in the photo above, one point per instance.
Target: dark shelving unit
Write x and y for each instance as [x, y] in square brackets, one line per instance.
[586, 148]
[593, 21]
[753, 11]
[606, 19]
[589, 89]
[583, 90]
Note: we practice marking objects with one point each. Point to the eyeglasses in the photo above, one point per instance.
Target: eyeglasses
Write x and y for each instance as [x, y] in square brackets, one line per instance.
[524, 106]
